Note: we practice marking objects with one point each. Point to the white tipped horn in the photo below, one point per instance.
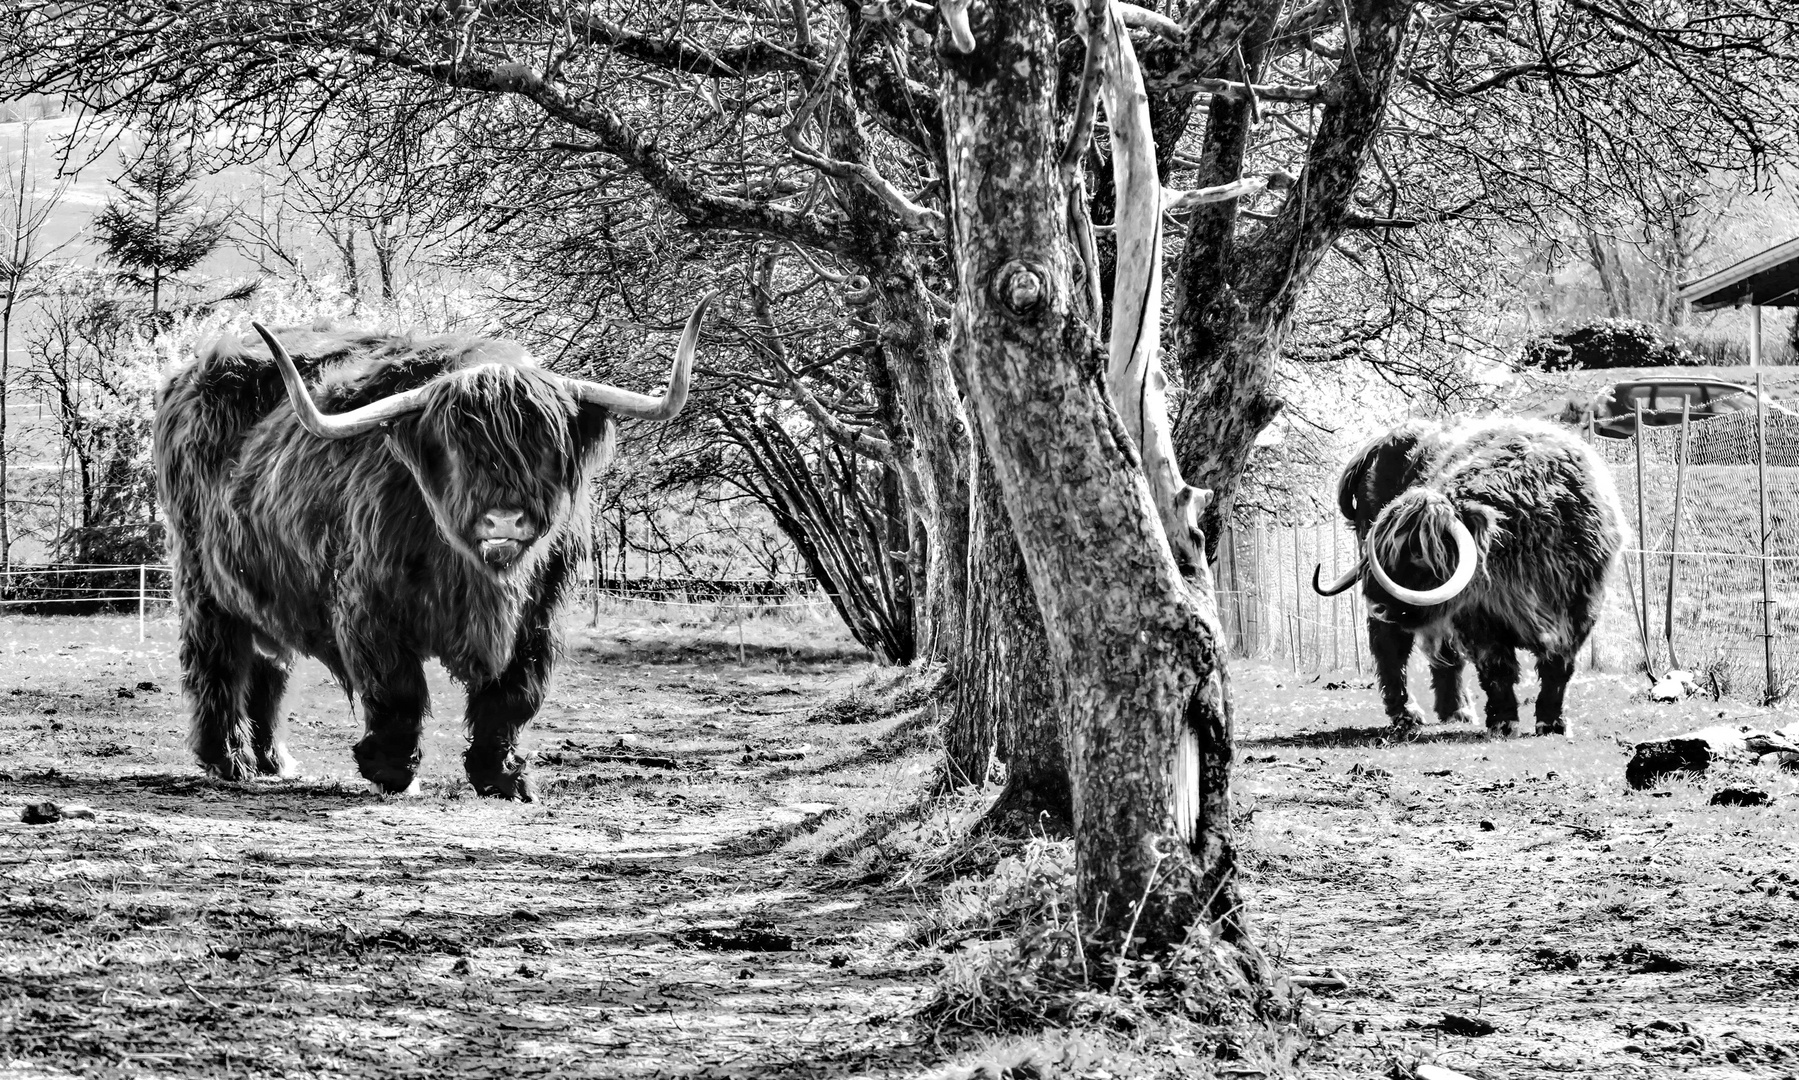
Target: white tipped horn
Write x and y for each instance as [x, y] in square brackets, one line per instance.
[635, 406]
[1349, 578]
[1467, 560]
[336, 425]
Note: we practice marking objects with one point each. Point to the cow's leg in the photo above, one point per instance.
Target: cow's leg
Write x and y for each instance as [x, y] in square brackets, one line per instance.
[395, 702]
[1553, 671]
[1497, 666]
[1392, 648]
[1556, 667]
[215, 664]
[1447, 686]
[498, 712]
[267, 684]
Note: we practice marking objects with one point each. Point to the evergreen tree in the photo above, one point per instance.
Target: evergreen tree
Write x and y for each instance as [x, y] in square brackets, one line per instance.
[153, 230]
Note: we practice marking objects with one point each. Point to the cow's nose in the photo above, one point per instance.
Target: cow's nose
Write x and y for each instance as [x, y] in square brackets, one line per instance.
[504, 524]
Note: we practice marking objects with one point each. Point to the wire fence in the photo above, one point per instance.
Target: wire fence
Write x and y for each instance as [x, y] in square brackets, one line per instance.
[1712, 584]
[1268, 607]
[149, 590]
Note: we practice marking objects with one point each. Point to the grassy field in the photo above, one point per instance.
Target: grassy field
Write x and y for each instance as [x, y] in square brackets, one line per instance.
[724, 881]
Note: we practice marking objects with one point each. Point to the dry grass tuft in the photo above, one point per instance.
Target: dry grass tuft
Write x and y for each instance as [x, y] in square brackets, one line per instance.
[1020, 961]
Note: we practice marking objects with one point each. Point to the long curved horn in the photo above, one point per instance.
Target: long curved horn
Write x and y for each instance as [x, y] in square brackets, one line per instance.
[1349, 578]
[1467, 560]
[336, 425]
[635, 406]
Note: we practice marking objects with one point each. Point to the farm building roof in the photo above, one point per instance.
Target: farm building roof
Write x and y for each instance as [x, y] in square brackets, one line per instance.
[1768, 278]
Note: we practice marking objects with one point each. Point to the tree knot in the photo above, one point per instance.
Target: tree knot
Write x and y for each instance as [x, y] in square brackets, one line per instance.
[1021, 287]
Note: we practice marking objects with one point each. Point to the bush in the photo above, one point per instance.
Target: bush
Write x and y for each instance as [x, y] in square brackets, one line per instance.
[1608, 343]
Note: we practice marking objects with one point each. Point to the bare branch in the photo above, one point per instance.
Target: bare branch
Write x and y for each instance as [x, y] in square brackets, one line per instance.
[1174, 201]
[1238, 91]
[1143, 18]
[769, 342]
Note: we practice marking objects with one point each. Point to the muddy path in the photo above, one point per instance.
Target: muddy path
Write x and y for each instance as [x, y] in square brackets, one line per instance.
[643, 919]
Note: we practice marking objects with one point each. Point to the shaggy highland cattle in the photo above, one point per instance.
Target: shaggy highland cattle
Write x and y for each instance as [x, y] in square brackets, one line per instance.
[427, 505]
[1479, 540]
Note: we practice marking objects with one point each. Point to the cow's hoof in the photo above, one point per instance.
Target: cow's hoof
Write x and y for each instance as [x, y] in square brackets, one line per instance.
[513, 786]
[393, 775]
[1504, 730]
[391, 780]
[1546, 728]
[277, 762]
[1461, 716]
[1408, 722]
[232, 767]
[498, 776]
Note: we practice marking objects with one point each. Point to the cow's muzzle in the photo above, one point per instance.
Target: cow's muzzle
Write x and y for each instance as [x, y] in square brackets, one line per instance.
[503, 535]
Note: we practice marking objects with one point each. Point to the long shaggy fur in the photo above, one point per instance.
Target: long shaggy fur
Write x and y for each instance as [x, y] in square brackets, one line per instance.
[1547, 526]
[349, 550]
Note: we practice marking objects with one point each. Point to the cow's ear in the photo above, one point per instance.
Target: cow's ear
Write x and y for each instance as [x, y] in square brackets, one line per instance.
[593, 423]
[1481, 520]
[427, 462]
[596, 432]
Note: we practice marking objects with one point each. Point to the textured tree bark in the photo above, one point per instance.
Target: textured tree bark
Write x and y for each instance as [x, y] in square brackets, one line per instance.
[1234, 295]
[932, 437]
[1140, 684]
[920, 365]
[1005, 703]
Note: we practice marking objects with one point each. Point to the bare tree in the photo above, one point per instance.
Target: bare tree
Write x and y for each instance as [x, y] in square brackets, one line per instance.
[87, 363]
[25, 208]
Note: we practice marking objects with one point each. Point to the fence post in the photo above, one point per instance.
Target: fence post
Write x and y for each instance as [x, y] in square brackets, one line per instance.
[142, 578]
[1298, 631]
[1642, 552]
[1761, 486]
[1593, 639]
[1230, 548]
[1336, 572]
[1258, 629]
[1680, 477]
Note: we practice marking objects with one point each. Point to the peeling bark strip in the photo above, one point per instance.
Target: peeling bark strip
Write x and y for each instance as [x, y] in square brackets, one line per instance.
[1134, 375]
[1136, 660]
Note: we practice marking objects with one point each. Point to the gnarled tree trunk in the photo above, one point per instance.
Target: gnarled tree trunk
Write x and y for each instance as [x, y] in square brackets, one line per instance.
[1006, 704]
[1140, 683]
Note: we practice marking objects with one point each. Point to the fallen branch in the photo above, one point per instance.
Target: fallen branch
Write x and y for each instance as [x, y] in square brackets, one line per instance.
[1694, 752]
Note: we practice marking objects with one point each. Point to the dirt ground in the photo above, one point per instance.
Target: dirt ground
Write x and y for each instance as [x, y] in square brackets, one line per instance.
[1584, 929]
[700, 893]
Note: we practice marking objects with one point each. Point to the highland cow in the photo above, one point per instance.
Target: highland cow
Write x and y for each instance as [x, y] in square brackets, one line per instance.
[1479, 540]
[427, 505]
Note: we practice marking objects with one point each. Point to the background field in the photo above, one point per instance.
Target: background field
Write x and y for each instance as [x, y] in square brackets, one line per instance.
[700, 813]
